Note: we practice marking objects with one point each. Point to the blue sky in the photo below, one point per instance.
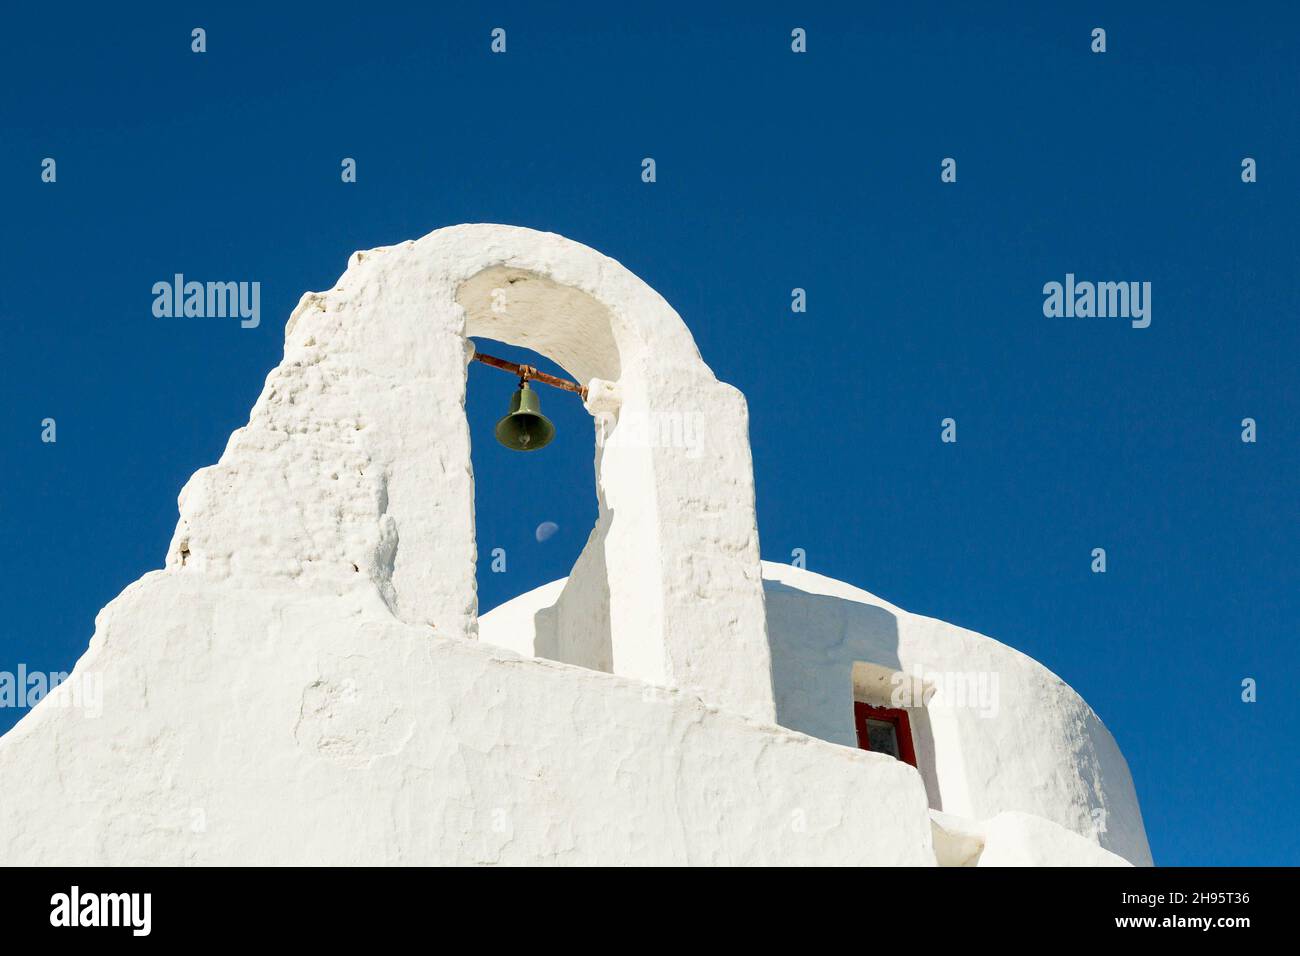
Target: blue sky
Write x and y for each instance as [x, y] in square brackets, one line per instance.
[775, 171]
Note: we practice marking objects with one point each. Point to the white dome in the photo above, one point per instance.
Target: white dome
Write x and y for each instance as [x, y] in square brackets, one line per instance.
[995, 731]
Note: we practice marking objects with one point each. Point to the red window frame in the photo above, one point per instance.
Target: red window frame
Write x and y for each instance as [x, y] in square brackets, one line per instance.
[895, 716]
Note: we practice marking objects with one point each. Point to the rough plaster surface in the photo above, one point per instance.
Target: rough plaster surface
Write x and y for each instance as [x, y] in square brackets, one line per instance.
[355, 459]
[1021, 839]
[266, 727]
[302, 682]
[1034, 749]
[1013, 839]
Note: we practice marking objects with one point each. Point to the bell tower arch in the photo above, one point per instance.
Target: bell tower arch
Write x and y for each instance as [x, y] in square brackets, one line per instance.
[668, 587]
[367, 468]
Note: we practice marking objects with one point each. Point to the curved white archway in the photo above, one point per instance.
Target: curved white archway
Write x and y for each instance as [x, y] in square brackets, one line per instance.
[668, 589]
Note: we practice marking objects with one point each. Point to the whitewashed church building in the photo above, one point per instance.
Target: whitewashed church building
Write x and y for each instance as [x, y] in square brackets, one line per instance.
[308, 681]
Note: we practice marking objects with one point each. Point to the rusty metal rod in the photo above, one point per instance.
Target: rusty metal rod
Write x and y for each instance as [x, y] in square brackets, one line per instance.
[526, 372]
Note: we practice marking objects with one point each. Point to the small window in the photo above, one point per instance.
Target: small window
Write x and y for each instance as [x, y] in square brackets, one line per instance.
[884, 730]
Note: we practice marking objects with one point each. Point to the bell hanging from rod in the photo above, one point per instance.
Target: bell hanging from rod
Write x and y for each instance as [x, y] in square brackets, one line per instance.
[525, 428]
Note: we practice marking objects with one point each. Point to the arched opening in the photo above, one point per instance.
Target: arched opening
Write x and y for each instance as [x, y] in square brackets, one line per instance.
[533, 511]
[533, 311]
[528, 318]
[667, 588]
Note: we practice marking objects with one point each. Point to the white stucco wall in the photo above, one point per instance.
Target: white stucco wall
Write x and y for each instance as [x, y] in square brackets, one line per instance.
[261, 726]
[303, 683]
[1027, 744]
[355, 459]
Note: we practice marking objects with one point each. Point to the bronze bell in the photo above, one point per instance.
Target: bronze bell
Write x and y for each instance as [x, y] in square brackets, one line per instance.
[525, 428]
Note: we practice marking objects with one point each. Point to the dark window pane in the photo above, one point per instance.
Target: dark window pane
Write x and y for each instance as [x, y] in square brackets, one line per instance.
[882, 737]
